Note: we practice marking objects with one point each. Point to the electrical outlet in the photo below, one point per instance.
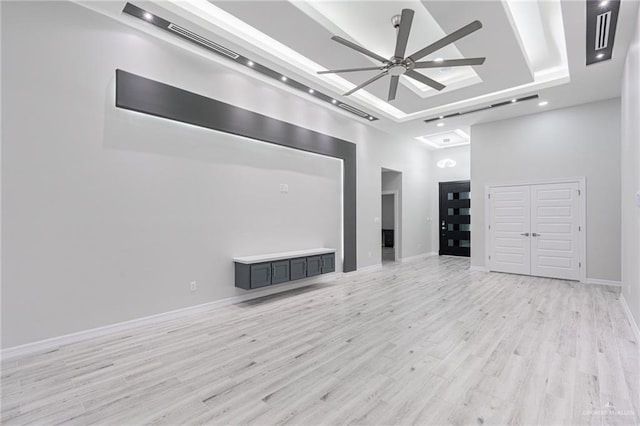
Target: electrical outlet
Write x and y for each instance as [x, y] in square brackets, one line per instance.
[369, 254]
[419, 245]
[194, 286]
[284, 188]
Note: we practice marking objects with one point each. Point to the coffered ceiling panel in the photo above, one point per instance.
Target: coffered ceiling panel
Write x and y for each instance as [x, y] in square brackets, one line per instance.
[534, 51]
[306, 28]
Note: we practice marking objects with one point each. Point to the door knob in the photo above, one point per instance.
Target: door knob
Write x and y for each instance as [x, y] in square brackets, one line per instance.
[525, 234]
[536, 235]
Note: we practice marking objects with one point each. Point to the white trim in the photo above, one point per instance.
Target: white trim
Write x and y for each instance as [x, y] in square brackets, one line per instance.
[632, 320]
[478, 268]
[582, 202]
[418, 257]
[597, 281]
[56, 342]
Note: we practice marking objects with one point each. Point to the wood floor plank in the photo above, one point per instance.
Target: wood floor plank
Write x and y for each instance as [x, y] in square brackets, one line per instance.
[423, 342]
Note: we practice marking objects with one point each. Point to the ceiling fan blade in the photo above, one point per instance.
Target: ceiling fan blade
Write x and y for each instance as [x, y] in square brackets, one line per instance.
[446, 40]
[393, 87]
[371, 80]
[351, 70]
[359, 48]
[403, 32]
[450, 63]
[425, 80]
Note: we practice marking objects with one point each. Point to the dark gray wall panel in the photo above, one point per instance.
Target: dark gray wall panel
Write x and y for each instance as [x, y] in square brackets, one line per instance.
[141, 94]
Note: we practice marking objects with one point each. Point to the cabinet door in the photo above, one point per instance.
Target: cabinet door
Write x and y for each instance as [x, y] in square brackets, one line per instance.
[314, 265]
[260, 275]
[298, 268]
[279, 272]
[328, 263]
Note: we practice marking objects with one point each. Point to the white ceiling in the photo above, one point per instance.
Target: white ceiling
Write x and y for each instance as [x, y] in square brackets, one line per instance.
[531, 47]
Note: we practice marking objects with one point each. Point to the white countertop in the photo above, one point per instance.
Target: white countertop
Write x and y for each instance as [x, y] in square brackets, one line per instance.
[284, 255]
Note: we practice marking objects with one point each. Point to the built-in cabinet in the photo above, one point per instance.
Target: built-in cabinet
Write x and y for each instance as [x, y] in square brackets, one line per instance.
[261, 271]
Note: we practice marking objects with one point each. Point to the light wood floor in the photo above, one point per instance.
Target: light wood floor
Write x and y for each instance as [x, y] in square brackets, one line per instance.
[426, 342]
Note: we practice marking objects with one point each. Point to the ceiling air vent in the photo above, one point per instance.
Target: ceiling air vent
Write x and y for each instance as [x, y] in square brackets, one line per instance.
[202, 41]
[353, 110]
[603, 22]
[446, 140]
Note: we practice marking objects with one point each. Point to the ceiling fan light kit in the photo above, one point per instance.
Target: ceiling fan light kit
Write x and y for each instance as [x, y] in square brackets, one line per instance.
[400, 65]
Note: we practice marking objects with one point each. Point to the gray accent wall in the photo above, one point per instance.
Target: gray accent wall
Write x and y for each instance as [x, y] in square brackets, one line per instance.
[564, 143]
[630, 188]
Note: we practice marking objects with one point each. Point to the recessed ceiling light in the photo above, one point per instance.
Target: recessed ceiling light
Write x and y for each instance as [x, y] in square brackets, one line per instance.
[283, 78]
[310, 90]
[440, 124]
[441, 117]
[370, 118]
[333, 101]
[250, 63]
[148, 16]
[513, 100]
[603, 3]
[600, 56]
[438, 60]
[543, 103]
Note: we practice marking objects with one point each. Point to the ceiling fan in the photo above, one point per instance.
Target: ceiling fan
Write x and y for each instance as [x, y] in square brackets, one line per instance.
[399, 65]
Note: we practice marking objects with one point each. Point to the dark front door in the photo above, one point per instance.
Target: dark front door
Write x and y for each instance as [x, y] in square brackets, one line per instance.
[455, 218]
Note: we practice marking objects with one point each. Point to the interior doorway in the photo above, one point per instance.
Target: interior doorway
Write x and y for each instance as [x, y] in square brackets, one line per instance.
[390, 215]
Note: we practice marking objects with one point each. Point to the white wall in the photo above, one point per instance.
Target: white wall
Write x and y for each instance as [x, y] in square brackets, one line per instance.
[631, 176]
[461, 171]
[579, 141]
[109, 214]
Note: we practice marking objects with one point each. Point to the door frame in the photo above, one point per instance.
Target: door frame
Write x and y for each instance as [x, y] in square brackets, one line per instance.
[396, 224]
[582, 210]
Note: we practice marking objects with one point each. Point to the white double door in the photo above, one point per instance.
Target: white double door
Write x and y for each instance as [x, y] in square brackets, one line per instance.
[535, 230]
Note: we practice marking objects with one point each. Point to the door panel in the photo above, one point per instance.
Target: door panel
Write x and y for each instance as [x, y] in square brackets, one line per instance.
[554, 231]
[509, 229]
[455, 218]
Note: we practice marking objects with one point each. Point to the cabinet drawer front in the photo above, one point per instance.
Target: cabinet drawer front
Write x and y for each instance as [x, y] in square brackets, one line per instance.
[298, 268]
[328, 263]
[279, 272]
[260, 275]
[314, 265]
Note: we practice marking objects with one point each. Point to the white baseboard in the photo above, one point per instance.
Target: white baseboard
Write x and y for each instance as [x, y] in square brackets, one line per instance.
[478, 268]
[632, 320]
[603, 282]
[56, 342]
[418, 257]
